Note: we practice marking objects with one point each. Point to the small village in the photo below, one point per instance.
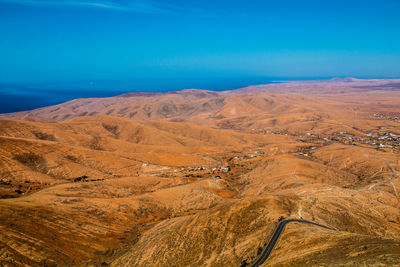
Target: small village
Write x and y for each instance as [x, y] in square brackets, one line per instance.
[377, 139]
[391, 116]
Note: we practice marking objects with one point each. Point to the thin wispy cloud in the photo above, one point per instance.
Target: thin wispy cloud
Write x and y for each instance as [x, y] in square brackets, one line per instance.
[140, 6]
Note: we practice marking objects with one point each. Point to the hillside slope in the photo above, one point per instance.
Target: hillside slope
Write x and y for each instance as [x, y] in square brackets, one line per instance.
[201, 178]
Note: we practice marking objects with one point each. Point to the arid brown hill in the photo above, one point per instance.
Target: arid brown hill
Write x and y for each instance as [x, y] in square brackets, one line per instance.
[200, 178]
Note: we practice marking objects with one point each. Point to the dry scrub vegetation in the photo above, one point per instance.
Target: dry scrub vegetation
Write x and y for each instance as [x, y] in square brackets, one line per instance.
[33, 161]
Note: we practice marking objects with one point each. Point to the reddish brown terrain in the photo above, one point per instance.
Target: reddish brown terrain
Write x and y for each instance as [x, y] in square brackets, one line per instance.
[200, 178]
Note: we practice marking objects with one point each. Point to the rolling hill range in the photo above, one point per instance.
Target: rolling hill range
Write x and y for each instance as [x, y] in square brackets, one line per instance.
[200, 178]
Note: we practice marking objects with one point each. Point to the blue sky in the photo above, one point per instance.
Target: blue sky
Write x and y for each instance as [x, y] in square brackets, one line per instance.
[71, 40]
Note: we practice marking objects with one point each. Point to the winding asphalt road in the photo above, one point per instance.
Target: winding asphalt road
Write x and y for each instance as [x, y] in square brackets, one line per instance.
[275, 236]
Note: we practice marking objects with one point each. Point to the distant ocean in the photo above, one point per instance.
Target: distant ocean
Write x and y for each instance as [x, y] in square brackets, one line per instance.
[19, 97]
